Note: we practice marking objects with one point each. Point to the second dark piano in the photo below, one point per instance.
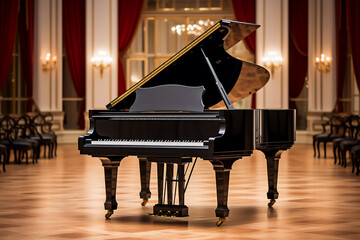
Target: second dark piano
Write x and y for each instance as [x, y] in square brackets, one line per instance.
[169, 118]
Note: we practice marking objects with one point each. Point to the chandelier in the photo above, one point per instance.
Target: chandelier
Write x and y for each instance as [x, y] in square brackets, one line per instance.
[192, 29]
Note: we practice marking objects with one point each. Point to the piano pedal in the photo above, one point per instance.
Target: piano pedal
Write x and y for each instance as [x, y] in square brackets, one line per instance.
[220, 222]
[108, 214]
[165, 210]
[144, 202]
[271, 203]
[176, 214]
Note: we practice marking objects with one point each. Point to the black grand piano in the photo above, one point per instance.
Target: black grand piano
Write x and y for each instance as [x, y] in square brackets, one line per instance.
[183, 111]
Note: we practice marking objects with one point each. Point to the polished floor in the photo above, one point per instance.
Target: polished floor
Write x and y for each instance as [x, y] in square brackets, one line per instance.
[63, 198]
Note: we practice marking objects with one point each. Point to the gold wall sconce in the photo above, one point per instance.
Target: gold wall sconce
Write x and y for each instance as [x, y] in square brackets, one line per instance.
[323, 63]
[48, 62]
[101, 61]
[272, 60]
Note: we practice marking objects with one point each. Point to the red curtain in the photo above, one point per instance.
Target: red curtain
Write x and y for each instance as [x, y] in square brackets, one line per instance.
[8, 25]
[353, 24]
[341, 44]
[245, 11]
[74, 40]
[298, 47]
[26, 29]
[129, 13]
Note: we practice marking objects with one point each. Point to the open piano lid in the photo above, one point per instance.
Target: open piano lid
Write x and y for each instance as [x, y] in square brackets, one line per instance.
[188, 67]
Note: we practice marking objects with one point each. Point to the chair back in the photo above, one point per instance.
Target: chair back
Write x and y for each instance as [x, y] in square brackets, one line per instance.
[7, 128]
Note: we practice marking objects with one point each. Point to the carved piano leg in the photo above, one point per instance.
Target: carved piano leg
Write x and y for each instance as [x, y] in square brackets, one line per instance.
[222, 171]
[111, 171]
[145, 169]
[272, 158]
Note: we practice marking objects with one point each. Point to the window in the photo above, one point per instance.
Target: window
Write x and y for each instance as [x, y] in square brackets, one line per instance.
[350, 100]
[301, 107]
[13, 96]
[71, 101]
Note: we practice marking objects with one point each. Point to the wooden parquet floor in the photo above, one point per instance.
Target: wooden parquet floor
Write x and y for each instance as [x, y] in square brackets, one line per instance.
[63, 198]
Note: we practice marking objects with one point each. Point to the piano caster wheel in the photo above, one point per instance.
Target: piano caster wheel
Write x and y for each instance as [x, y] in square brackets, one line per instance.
[108, 214]
[144, 202]
[271, 203]
[220, 222]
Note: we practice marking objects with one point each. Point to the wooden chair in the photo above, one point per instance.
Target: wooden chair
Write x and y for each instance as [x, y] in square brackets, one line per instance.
[47, 140]
[345, 146]
[336, 131]
[24, 129]
[3, 155]
[355, 158]
[325, 123]
[47, 131]
[350, 124]
[9, 139]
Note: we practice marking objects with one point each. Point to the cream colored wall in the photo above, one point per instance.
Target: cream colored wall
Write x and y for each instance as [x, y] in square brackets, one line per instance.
[322, 86]
[48, 39]
[272, 15]
[101, 35]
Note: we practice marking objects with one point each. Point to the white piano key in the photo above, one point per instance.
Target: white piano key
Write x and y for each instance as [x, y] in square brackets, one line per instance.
[147, 142]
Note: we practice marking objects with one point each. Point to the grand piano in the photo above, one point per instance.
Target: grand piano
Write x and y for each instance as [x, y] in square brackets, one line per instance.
[181, 112]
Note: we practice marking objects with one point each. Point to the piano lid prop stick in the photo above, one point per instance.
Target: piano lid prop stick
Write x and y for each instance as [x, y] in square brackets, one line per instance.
[218, 83]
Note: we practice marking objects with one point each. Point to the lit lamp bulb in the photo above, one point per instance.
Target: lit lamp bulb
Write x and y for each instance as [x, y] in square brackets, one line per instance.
[272, 60]
[323, 63]
[101, 61]
[48, 62]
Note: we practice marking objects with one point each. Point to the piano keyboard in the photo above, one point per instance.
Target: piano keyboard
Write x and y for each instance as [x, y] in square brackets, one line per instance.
[136, 142]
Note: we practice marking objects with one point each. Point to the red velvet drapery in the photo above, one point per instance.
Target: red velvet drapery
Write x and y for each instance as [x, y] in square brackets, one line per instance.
[129, 13]
[298, 47]
[74, 40]
[341, 44]
[26, 29]
[353, 24]
[245, 11]
[8, 25]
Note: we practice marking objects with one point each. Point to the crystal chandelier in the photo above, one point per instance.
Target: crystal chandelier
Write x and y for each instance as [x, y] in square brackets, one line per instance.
[192, 29]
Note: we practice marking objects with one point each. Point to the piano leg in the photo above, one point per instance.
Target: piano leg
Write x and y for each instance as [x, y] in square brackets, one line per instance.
[272, 158]
[145, 169]
[111, 171]
[222, 172]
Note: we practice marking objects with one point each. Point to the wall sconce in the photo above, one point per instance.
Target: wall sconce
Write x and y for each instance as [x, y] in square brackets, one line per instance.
[48, 62]
[323, 63]
[101, 61]
[272, 60]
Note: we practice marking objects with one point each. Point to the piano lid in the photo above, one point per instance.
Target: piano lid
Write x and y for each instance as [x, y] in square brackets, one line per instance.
[188, 67]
